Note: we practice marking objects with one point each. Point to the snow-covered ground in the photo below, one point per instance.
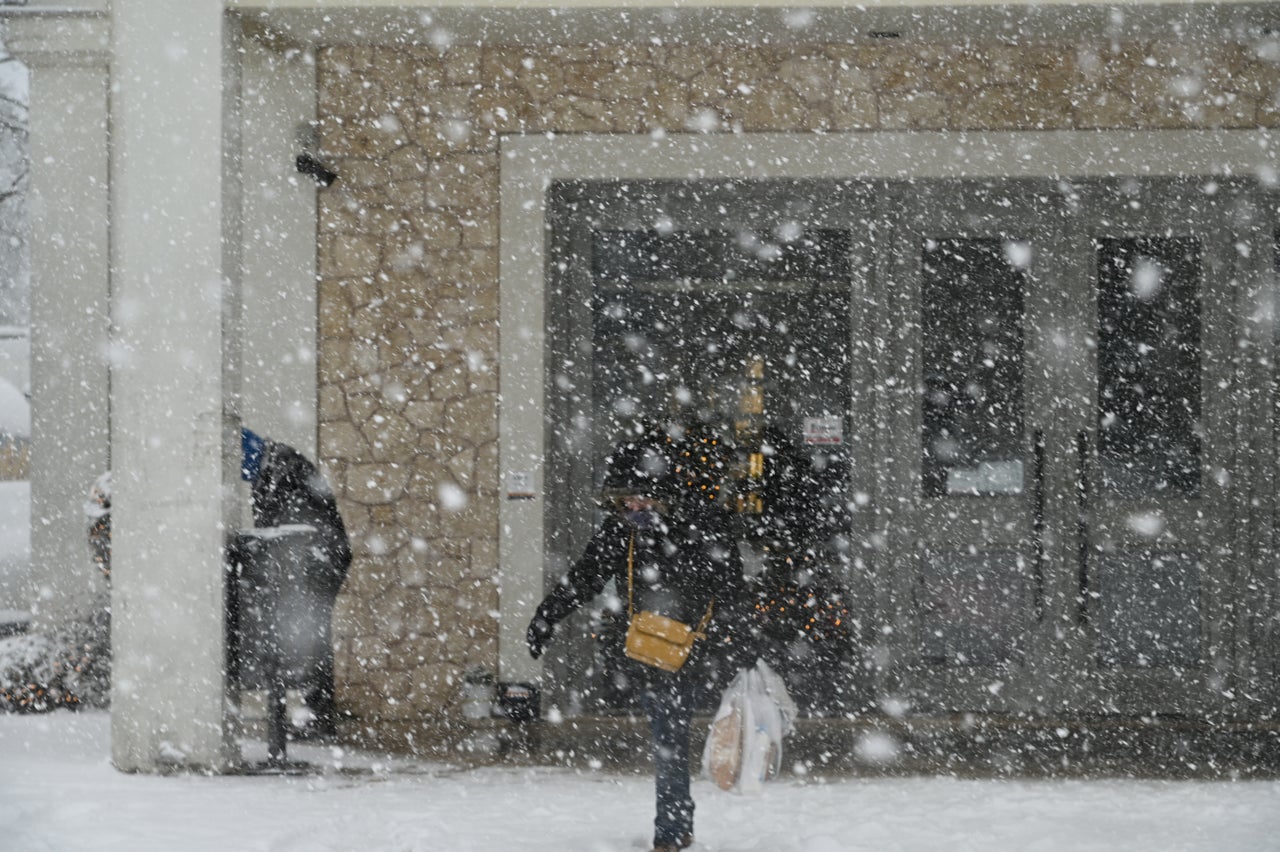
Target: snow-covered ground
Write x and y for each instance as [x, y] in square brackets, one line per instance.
[59, 793]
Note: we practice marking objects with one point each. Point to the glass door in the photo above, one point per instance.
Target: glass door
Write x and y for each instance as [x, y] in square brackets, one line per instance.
[966, 391]
[731, 305]
[1059, 523]
[1158, 488]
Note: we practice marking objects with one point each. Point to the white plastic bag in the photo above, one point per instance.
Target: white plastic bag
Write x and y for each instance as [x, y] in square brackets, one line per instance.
[744, 745]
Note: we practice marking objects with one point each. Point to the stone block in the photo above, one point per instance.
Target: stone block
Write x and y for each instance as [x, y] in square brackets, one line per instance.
[363, 401]
[479, 599]
[478, 519]
[390, 437]
[1009, 108]
[853, 110]
[416, 565]
[900, 71]
[812, 78]
[629, 116]
[667, 106]
[374, 484]
[772, 106]
[332, 404]
[483, 557]
[333, 319]
[462, 64]
[462, 468]
[907, 110]
[340, 439]
[359, 137]
[497, 109]
[436, 684]
[474, 418]
[361, 173]
[468, 181]
[425, 414]
[347, 255]
[450, 382]
[335, 360]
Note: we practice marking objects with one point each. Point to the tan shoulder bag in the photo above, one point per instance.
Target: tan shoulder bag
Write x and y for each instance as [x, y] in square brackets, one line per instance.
[654, 639]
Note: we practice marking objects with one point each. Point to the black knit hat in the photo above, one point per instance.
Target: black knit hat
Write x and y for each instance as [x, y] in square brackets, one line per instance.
[641, 463]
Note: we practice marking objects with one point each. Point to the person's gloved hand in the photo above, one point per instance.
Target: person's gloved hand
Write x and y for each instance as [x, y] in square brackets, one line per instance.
[538, 635]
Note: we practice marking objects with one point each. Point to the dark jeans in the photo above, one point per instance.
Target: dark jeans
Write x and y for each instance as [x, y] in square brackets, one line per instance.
[668, 704]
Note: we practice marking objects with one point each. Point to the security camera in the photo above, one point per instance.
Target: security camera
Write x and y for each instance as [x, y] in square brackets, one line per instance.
[309, 165]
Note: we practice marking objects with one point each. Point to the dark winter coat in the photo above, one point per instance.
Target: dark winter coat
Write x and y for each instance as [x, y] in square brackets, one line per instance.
[679, 567]
[290, 490]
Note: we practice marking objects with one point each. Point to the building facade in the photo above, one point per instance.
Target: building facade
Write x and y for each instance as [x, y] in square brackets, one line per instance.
[1006, 273]
[412, 251]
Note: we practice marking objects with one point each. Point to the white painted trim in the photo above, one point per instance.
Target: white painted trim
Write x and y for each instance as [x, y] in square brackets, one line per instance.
[65, 39]
[1060, 153]
[530, 164]
[905, 5]
[459, 22]
[278, 310]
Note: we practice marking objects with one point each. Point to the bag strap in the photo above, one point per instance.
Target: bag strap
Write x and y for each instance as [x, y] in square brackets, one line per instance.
[631, 562]
[706, 619]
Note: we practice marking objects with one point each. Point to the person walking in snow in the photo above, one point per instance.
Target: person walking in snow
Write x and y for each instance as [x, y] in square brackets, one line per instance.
[664, 543]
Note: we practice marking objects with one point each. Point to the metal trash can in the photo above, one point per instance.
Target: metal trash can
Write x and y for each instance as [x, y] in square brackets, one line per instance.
[279, 633]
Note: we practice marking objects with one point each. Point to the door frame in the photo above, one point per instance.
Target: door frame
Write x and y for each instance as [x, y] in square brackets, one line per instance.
[580, 441]
[1066, 674]
[529, 165]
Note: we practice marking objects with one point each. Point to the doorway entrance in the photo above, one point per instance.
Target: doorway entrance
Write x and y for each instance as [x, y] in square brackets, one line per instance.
[1019, 403]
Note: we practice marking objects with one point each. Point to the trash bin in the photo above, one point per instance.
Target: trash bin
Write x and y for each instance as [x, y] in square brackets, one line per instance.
[279, 633]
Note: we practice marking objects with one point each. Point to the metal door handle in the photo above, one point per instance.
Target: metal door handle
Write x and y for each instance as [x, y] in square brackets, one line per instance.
[1083, 496]
[1038, 518]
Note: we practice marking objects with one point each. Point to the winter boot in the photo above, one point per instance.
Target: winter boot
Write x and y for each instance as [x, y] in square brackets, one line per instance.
[686, 840]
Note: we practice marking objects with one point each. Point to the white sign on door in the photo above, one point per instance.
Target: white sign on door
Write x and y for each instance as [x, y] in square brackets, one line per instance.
[824, 429]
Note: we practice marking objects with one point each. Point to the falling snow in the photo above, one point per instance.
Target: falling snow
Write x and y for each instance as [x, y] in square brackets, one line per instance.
[963, 323]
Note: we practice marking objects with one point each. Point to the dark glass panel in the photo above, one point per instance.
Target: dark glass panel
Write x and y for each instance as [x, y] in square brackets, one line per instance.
[1149, 397]
[974, 609]
[1148, 610]
[972, 315]
[819, 254]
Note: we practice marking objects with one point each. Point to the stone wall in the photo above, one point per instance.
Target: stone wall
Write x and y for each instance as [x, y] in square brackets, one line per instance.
[408, 242]
[15, 458]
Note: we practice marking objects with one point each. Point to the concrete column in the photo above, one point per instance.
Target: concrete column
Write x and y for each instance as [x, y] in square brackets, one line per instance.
[169, 430]
[67, 56]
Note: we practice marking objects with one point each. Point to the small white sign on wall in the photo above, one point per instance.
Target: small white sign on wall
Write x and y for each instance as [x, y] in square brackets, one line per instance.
[520, 485]
[824, 429]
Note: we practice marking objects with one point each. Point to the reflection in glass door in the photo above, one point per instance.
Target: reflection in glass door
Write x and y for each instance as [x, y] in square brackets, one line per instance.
[730, 307]
[1149, 345]
[971, 303]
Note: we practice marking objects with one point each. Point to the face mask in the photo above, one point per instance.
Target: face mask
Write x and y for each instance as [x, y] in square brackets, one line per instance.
[643, 519]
